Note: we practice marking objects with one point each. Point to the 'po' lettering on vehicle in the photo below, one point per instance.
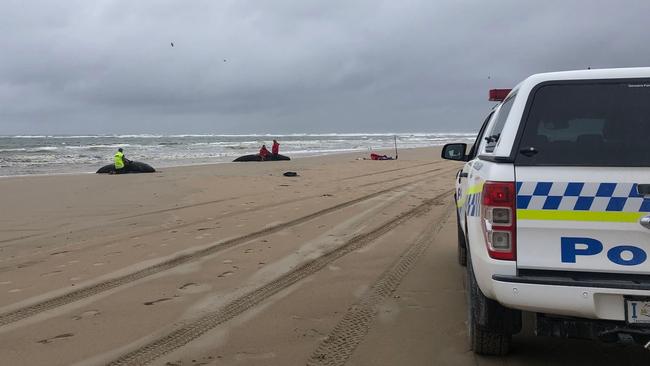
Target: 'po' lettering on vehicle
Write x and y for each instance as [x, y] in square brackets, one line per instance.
[623, 255]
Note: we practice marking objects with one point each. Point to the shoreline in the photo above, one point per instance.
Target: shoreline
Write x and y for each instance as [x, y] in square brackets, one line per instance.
[85, 154]
[198, 164]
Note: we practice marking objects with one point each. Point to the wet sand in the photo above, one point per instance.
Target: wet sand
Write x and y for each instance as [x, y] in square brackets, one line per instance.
[234, 264]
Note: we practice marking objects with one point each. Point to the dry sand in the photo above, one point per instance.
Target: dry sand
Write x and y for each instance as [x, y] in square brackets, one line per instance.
[234, 264]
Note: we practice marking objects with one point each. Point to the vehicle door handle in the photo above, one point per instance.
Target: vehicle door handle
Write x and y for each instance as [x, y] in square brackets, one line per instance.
[461, 174]
[643, 189]
[645, 222]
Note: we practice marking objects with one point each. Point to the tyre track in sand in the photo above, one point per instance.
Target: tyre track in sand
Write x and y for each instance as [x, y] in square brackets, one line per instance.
[207, 203]
[199, 204]
[401, 177]
[197, 328]
[391, 170]
[260, 207]
[235, 213]
[339, 345]
[15, 315]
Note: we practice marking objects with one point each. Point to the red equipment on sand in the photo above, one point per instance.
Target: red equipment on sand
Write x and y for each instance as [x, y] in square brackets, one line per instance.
[374, 156]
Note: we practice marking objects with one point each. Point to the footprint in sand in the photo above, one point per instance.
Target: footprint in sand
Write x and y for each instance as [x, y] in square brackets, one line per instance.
[49, 274]
[154, 302]
[28, 264]
[243, 356]
[56, 337]
[86, 314]
[188, 285]
[226, 274]
[310, 333]
[193, 288]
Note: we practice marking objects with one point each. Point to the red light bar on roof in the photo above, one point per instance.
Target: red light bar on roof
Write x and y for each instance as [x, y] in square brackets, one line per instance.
[498, 95]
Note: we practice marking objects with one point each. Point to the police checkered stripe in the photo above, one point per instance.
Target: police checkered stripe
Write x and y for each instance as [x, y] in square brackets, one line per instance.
[581, 196]
[474, 204]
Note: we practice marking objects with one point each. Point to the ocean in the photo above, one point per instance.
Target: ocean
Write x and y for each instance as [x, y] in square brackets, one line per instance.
[26, 155]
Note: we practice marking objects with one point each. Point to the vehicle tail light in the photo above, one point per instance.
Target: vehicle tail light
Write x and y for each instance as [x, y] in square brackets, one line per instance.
[498, 95]
[498, 219]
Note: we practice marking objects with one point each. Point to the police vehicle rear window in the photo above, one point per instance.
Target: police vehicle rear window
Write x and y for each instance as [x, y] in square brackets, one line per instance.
[588, 124]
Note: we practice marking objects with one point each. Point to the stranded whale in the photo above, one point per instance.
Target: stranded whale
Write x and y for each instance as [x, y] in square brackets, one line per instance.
[256, 157]
[131, 167]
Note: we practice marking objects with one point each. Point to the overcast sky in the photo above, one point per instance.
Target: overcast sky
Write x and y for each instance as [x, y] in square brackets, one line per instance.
[276, 66]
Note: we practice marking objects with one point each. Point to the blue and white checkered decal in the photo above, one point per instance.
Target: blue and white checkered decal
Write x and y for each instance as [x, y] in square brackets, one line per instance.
[580, 196]
[474, 204]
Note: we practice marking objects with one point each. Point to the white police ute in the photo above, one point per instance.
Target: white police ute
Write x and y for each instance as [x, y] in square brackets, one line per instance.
[553, 208]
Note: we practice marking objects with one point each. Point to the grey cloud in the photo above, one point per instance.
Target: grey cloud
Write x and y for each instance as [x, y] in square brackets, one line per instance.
[291, 66]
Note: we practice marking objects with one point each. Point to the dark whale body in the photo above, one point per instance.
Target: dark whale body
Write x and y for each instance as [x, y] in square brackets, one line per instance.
[256, 157]
[132, 167]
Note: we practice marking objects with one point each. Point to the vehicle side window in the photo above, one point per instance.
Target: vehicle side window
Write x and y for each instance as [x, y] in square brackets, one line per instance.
[602, 124]
[479, 138]
[502, 116]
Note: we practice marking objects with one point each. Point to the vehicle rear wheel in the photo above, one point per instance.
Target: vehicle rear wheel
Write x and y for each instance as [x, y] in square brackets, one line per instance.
[492, 339]
[462, 243]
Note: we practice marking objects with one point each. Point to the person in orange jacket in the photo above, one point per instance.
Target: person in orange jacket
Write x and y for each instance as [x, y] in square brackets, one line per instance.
[264, 152]
[275, 149]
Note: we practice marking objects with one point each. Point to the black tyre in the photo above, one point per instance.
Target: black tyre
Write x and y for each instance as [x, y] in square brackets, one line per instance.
[462, 243]
[493, 338]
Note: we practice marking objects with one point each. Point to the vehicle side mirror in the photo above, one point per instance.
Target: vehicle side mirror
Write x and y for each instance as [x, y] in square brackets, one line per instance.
[454, 152]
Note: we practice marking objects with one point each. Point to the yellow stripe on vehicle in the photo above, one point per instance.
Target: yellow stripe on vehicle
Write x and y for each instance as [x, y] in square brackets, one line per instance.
[593, 216]
[461, 202]
[475, 188]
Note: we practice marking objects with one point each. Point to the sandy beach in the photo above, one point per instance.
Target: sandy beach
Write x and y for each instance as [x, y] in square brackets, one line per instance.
[352, 262]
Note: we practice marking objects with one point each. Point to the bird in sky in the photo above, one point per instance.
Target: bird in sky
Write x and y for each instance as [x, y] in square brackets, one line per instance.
[172, 44]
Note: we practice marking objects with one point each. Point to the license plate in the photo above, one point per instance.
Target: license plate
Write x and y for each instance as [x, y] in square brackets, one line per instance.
[637, 311]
